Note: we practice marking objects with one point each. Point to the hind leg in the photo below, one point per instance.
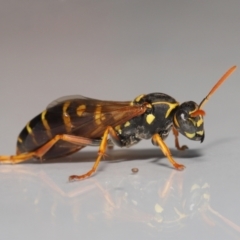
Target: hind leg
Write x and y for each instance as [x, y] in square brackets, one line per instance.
[101, 152]
[40, 152]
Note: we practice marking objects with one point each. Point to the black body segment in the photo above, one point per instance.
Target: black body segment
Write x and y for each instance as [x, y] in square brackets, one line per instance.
[156, 119]
[146, 115]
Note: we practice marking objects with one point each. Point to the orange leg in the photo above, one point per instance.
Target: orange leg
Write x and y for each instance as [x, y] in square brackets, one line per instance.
[16, 158]
[39, 153]
[157, 139]
[101, 153]
[177, 145]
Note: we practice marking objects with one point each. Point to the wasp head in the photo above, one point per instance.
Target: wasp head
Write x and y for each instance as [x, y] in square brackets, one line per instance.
[188, 120]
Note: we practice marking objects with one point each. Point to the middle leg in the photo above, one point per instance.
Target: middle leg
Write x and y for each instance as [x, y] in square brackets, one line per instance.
[101, 153]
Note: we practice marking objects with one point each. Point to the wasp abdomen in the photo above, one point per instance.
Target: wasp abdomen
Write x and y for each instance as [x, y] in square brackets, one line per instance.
[41, 129]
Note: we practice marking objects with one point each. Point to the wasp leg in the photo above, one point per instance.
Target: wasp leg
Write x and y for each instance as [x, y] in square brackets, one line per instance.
[101, 152]
[157, 139]
[39, 153]
[16, 158]
[177, 145]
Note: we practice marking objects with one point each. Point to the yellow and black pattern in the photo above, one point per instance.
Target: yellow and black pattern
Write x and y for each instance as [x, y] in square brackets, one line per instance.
[191, 127]
[72, 123]
[79, 117]
[157, 119]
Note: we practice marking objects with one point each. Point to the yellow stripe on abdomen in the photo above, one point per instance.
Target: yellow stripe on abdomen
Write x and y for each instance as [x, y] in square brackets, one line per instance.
[66, 117]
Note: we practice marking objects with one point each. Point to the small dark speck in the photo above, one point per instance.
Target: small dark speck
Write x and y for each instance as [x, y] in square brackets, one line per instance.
[135, 170]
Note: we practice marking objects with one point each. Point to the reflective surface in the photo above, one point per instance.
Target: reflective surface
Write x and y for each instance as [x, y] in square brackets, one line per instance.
[199, 202]
[118, 50]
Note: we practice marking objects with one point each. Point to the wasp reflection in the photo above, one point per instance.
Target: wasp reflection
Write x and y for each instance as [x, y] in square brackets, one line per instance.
[165, 204]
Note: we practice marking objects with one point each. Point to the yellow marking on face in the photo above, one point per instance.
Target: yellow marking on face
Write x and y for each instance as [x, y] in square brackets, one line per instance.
[200, 132]
[200, 122]
[97, 114]
[171, 106]
[80, 110]
[190, 135]
[45, 124]
[127, 124]
[193, 122]
[150, 118]
[20, 140]
[66, 117]
[29, 129]
[138, 98]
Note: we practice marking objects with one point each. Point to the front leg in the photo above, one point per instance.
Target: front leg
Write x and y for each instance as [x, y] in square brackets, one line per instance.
[177, 145]
[103, 144]
[101, 152]
[157, 140]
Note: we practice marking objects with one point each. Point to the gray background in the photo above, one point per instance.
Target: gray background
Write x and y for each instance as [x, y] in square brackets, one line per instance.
[118, 50]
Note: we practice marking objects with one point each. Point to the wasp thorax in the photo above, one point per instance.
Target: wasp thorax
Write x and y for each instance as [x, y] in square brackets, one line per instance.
[191, 127]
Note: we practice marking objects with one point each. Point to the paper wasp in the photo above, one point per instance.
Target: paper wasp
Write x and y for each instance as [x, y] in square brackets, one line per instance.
[74, 122]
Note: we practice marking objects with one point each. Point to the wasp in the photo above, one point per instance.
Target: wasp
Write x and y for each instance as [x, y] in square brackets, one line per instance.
[71, 123]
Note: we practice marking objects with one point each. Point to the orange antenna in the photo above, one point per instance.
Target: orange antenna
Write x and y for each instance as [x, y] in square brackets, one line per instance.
[198, 112]
[217, 85]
